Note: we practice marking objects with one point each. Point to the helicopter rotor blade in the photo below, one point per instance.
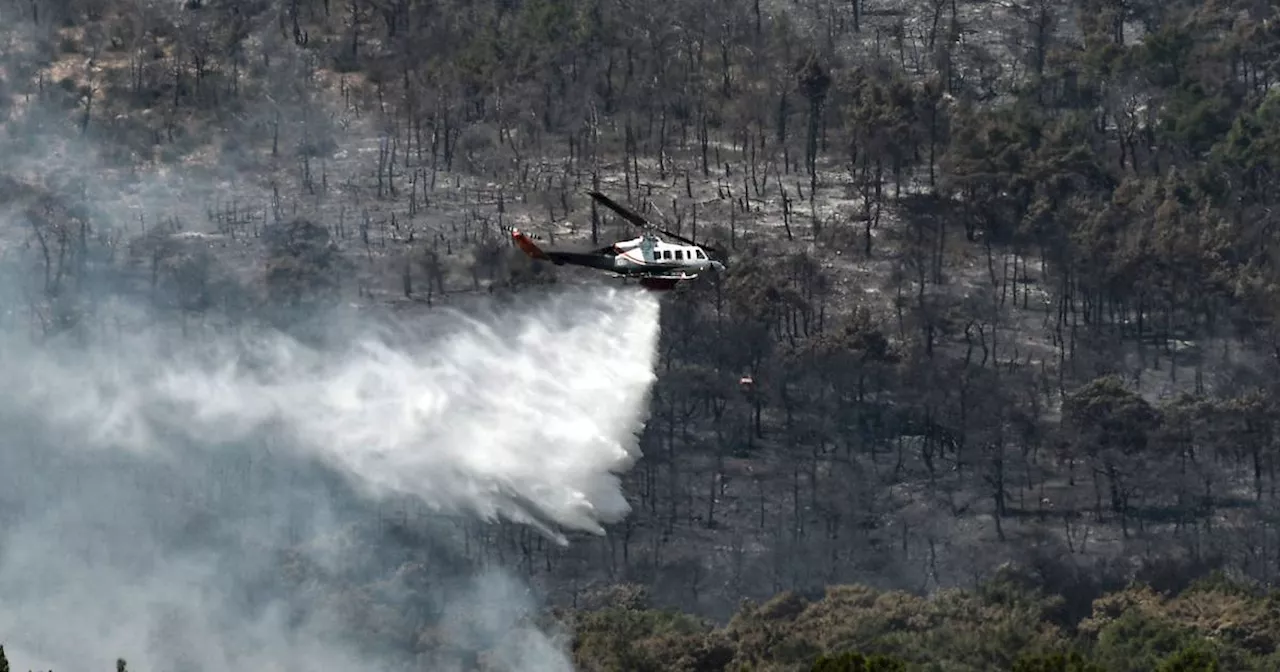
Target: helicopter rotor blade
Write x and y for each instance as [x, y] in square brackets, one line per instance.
[641, 222]
[676, 236]
[623, 211]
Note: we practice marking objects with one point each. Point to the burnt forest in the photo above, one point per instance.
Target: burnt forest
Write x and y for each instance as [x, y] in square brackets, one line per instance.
[990, 381]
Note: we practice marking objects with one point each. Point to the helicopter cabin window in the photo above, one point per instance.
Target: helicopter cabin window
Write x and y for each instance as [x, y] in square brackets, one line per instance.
[679, 255]
[700, 254]
[666, 254]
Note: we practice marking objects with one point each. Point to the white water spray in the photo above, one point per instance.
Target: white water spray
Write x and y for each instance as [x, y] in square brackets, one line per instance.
[112, 453]
[527, 416]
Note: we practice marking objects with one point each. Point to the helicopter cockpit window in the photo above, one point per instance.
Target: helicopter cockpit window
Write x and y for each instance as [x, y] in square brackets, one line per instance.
[700, 254]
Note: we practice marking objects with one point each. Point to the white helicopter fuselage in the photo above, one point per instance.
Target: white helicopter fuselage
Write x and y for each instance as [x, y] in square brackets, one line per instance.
[656, 263]
[648, 254]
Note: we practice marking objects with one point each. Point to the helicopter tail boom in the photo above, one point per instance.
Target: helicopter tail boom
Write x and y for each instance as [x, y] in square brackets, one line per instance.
[527, 246]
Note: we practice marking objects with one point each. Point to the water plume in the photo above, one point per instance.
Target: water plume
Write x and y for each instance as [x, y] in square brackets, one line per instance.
[150, 481]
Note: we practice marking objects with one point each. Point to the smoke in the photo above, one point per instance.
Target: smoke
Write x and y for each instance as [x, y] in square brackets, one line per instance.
[207, 501]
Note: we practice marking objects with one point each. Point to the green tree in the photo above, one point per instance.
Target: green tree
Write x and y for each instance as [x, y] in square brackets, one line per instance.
[1194, 657]
[1113, 426]
[851, 661]
[1055, 662]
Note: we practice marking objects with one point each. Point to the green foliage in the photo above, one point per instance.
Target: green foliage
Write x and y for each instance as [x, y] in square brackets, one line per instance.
[1193, 657]
[1165, 57]
[1136, 641]
[1196, 118]
[1055, 662]
[856, 662]
[624, 638]
[1110, 415]
[986, 163]
[1003, 625]
[1251, 148]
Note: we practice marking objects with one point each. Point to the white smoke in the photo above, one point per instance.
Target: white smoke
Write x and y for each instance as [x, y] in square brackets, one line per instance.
[149, 481]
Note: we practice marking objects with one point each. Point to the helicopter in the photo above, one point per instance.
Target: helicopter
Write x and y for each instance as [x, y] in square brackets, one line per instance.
[656, 263]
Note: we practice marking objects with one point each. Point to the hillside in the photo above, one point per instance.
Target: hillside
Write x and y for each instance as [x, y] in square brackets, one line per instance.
[1002, 271]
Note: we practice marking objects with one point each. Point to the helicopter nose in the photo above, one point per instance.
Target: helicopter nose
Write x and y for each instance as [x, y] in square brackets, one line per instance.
[717, 265]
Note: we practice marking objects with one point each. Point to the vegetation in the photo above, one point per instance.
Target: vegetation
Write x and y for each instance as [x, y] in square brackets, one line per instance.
[1003, 274]
[1215, 624]
[1006, 624]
